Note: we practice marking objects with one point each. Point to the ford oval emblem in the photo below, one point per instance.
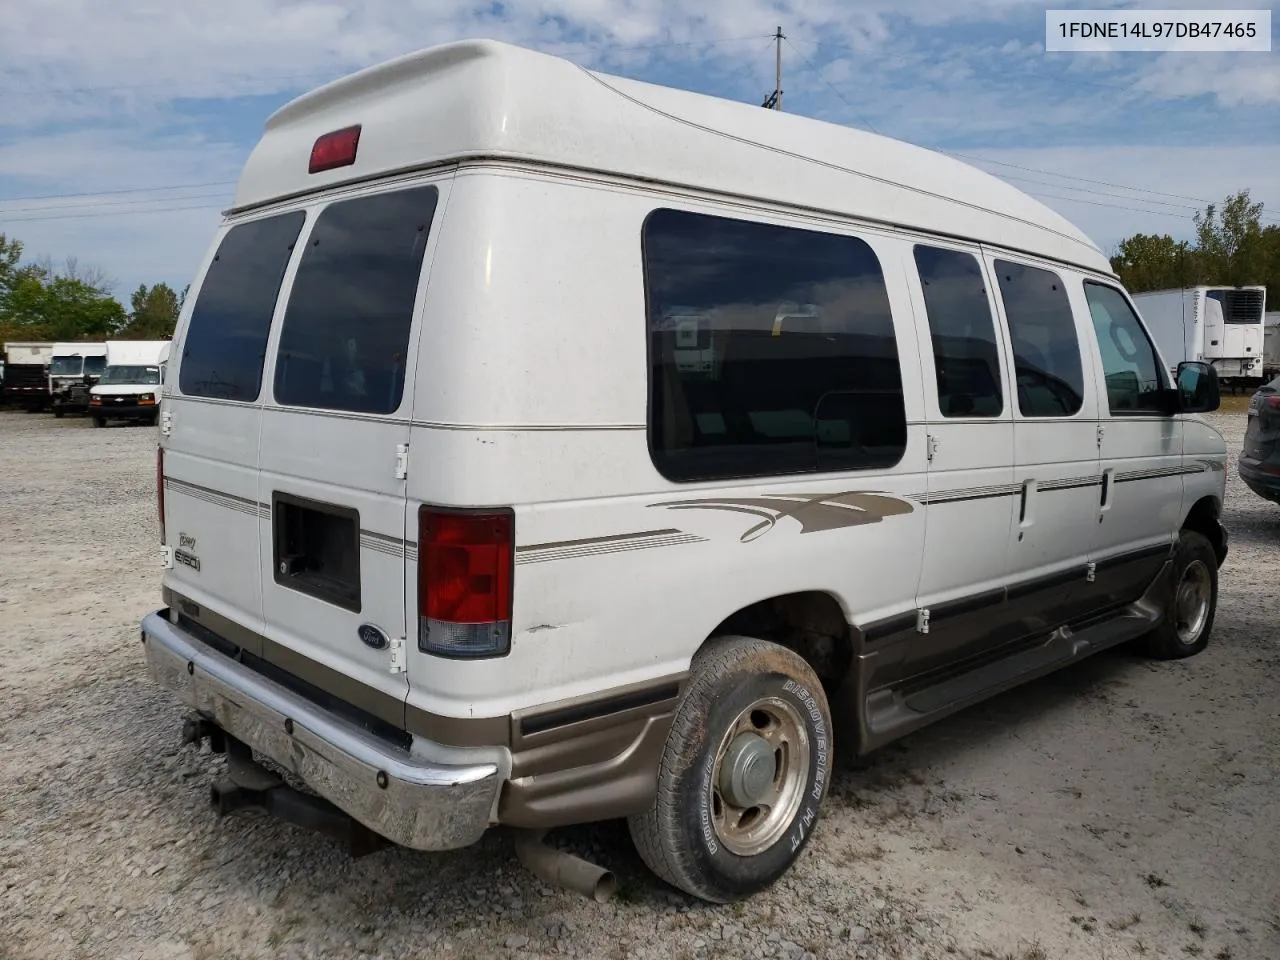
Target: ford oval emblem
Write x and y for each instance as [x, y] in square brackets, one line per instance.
[371, 636]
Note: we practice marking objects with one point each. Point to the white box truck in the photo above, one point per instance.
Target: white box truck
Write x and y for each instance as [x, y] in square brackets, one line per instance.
[26, 374]
[73, 370]
[130, 385]
[1221, 326]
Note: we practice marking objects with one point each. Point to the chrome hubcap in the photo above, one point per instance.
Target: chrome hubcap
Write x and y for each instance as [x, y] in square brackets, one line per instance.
[760, 772]
[1191, 602]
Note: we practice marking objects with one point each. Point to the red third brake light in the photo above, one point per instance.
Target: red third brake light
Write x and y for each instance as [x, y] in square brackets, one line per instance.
[465, 566]
[336, 149]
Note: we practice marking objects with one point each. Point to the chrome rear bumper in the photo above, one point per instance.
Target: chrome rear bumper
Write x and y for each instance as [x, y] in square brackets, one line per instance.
[435, 798]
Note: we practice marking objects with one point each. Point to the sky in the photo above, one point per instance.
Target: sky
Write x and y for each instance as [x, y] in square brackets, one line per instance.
[125, 123]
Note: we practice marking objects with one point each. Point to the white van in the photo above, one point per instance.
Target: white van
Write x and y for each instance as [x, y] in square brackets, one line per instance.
[130, 386]
[544, 447]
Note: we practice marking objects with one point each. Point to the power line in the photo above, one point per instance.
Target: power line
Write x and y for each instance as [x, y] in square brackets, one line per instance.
[109, 213]
[1099, 193]
[1116, 206]
[834, 90]
[752, 65]
[916, 59]
[116, 193]
[110, 203]
[1051, 173]
[1069, 176]
[772, 38]
[1105, 183]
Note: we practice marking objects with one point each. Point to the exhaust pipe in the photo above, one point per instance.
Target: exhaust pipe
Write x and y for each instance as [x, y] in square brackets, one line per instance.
[563, 869]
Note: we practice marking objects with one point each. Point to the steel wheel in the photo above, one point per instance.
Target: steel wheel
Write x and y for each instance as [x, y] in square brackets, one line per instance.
[1192, 601]
[760, 773]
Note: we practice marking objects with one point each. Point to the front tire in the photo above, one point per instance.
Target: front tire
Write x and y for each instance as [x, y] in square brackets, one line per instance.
[1193, 601]
[99, 422]
[743, 775]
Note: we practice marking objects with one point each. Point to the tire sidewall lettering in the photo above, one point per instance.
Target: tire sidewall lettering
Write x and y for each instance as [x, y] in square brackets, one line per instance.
[735, 870]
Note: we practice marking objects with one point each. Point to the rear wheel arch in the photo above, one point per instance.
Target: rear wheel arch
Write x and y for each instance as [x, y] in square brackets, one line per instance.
[811, 623]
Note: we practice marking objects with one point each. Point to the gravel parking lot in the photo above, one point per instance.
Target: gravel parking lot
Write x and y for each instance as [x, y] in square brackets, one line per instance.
[1119, 809]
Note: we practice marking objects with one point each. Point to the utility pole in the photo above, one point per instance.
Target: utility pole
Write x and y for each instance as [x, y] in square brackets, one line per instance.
[777, 82]
[774, 100]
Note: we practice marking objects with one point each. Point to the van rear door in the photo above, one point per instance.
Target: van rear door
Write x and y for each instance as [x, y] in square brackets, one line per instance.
[213, 403]
[334, 447]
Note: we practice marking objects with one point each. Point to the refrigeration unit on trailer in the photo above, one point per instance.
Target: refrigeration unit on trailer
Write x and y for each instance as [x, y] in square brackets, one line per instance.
[73, 370]
[1221, 326]
[26, 374]
[130, 386]
[544, 447]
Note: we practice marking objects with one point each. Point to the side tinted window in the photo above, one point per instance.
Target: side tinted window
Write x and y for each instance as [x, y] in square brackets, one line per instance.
[772, 350]
[965, 357]
[1046, 352]
[1129, 361]
[226, 340]
[346, 329]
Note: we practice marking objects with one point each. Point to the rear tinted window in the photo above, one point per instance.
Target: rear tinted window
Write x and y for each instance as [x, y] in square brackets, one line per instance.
[1046, 351]
[772, 350]
[226, 340]
[346, 329]
[965, 357]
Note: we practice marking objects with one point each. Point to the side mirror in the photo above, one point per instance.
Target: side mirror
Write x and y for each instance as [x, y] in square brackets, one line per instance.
[1197, 390]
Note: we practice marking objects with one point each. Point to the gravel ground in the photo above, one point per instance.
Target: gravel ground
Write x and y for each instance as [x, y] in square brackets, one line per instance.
[1118, 809]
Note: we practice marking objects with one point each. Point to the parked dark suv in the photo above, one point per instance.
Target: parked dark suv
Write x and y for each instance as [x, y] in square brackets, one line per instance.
[1260, 458]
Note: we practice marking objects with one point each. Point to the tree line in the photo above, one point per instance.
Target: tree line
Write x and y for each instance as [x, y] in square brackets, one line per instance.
[1232, 247]
[42, 301]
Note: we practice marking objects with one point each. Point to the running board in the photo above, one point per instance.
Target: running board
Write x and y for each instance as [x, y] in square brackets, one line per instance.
[896, 711]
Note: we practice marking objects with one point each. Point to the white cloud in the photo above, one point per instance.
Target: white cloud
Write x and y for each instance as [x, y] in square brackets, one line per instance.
[1239, 79]
[93, 94]
[162, 49]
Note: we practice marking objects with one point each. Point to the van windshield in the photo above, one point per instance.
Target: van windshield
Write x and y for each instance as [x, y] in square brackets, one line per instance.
[66, 366]
[131, 374]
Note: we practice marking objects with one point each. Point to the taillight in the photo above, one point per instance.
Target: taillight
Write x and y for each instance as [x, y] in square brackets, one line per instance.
[337, 149]
[465, 569]
[1272, 402]
[160, 487]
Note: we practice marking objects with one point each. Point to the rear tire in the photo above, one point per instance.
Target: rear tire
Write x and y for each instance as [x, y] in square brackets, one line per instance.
[99, 422]
[1192, 601]
[743, 775]
[59, 413]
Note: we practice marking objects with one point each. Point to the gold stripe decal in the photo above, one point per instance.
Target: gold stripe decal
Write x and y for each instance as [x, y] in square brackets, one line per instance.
[814, 512]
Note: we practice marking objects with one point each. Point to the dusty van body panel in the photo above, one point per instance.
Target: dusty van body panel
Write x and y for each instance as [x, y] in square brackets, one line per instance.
[477, 446]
